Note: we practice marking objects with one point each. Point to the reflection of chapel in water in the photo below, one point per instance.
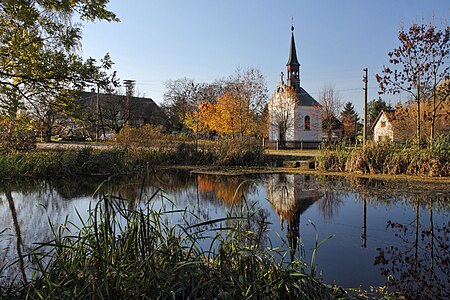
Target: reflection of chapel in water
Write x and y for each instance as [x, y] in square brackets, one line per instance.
[291, 195]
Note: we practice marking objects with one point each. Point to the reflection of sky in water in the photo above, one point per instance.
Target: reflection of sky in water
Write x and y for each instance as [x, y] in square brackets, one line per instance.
[335, 207]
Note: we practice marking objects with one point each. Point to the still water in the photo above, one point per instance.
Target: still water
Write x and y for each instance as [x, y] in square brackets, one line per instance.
[380, 229]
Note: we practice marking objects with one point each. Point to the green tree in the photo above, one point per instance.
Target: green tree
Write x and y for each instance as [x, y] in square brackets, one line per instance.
[38, 42]
[420, 62]
[349, 118]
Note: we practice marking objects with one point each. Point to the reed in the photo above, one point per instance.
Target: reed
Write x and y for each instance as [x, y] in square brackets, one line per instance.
[138, 253]
[390, 158]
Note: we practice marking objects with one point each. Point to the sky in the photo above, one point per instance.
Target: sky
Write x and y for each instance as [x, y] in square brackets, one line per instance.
[205, 40]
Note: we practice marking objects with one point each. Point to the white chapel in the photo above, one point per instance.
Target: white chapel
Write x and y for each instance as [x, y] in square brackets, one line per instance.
[294, 115]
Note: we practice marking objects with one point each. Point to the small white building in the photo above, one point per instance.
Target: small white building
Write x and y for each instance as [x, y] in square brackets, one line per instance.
[383, 127]
[294, 115]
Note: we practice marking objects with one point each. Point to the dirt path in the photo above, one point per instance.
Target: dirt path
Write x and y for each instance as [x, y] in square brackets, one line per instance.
[73, 145]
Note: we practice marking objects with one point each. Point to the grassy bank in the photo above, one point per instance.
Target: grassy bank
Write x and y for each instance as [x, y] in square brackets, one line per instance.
[390, 159]
[123, 253]
[124, 160]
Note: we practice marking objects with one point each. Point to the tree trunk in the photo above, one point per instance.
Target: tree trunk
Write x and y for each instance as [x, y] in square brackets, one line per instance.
[47, 133]
[433, 122]
[418, 123]
[418, 116]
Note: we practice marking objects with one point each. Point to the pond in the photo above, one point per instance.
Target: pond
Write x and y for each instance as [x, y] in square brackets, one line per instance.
[381, 230]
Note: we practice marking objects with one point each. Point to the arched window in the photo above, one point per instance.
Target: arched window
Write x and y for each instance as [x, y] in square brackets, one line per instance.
[307, 123]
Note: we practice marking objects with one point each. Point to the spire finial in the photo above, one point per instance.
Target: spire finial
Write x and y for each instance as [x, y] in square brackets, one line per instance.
[292, 24]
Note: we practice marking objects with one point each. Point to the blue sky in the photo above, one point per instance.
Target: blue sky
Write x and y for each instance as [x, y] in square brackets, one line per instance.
[160, 40]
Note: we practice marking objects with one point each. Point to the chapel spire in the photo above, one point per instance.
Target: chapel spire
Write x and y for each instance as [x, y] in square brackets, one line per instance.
[293, 66]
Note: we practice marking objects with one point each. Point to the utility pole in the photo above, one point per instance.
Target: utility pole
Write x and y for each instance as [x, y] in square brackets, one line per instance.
[129, 85]
[365, 107]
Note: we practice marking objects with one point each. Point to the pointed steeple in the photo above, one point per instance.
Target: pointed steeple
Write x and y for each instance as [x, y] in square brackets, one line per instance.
[293, 66]
[293, 52]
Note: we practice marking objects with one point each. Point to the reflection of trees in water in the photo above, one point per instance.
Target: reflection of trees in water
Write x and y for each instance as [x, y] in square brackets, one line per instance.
[230, 190]
[25, 215]
[420, 267]
[18, 233]
[329, 204]
[65, 187]
[290, 195]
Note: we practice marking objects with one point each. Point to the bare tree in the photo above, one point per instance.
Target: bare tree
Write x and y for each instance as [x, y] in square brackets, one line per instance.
[282, 107]
[419, 64]
[180, 98]
[249, 91]
[331, 103]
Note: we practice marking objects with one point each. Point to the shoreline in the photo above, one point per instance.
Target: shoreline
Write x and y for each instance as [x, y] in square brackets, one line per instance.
[236, 171]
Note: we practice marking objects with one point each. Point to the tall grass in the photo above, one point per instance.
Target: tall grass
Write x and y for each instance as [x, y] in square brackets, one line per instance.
[127, 159]
[123, 253]
[390, 158]
[85, 161]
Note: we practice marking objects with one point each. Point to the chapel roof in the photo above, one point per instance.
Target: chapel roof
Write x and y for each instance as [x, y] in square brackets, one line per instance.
[304, 98]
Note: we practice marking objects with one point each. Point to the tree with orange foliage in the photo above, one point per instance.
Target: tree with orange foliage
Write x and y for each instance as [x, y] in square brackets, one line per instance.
[199, 120]
[233, 116]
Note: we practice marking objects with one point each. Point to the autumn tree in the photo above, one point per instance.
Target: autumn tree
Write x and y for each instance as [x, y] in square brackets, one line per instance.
[231, 116]
[183, 96]
[263, 123]
[419, 64]
[331, 103]
[405, 115]
[235, 105]
[202, 119]
[349, 118]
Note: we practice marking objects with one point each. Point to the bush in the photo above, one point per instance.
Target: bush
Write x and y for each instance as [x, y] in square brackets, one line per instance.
[333, 160]
[371, 159]
[144, 136]
[16, 135]
[241, 151]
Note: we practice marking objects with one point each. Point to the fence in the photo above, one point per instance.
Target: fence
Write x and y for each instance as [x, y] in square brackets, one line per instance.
[291, 144]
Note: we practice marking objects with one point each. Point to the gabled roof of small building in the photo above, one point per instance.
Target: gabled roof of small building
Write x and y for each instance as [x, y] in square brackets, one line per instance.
[389, 113]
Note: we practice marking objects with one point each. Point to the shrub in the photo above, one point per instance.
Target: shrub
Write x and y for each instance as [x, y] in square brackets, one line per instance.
[241, 151]
[144, 136]
[333, 160]
[16, 135]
